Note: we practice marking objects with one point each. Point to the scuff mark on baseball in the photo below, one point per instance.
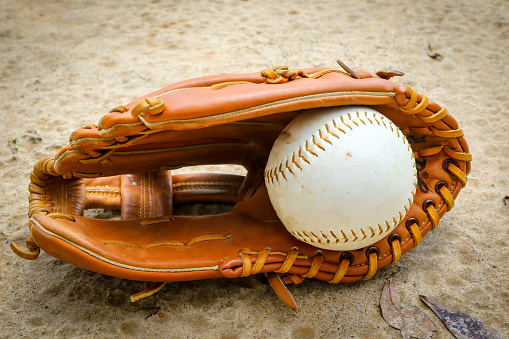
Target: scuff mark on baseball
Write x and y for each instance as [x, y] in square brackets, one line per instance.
[341, 178]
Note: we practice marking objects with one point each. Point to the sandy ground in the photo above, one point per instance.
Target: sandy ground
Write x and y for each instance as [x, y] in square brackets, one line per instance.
[64, 64]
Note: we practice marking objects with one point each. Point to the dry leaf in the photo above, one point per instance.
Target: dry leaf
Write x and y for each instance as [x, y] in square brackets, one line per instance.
[412, 322]
[390, 304]
[416, 324]
[396, 300]
[461, 325]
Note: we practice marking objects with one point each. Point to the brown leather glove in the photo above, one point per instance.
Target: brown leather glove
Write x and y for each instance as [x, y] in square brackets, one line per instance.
[125, 164]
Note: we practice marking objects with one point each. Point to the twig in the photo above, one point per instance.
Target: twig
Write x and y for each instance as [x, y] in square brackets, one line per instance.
[154, 309]
[434, 55]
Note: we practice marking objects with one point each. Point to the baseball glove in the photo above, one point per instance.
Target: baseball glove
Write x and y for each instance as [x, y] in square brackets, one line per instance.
[125, 163]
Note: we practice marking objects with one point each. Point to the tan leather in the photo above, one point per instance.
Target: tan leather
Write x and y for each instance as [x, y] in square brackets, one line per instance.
[124, 163]
[146, 195]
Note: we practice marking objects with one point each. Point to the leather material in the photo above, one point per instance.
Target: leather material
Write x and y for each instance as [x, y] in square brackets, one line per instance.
[146, 195]
[124, 163]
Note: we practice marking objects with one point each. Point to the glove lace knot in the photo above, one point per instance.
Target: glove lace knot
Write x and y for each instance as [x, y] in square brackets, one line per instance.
[281, 74]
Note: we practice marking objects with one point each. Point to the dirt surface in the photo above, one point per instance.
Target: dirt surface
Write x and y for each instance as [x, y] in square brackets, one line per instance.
[65, 64]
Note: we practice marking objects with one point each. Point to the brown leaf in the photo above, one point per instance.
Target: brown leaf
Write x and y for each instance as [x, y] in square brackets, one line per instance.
[461, 325]
[412, 322]
[396, 300]
[390, 305]
[416, 324]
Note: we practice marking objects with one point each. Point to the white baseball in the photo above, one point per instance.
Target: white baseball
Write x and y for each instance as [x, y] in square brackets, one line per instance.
[341, 178]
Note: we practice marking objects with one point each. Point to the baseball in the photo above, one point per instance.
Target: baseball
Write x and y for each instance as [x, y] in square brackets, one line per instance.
[341, 178]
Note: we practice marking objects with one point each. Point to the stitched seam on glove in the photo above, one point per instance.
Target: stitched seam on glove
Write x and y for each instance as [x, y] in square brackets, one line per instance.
[112, 262]
[253, 108]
